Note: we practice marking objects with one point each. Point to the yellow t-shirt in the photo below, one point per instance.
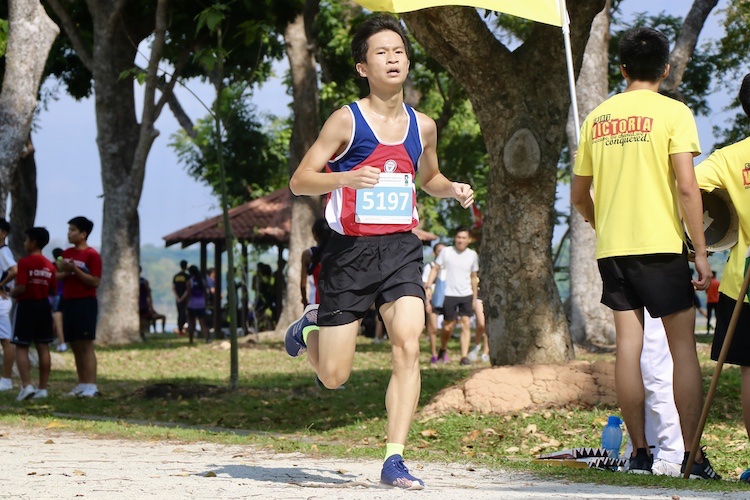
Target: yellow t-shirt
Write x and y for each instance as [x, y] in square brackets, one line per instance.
[729, 168]
[625, 145]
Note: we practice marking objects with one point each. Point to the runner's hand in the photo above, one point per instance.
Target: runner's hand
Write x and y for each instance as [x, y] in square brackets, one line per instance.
[463, 193]
[363, 178]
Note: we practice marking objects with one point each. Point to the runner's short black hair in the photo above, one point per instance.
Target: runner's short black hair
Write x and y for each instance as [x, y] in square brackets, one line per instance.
[373, 26]
[745, 94]
[4, 225]
[38, 235]
[644, 53]
[83, 224]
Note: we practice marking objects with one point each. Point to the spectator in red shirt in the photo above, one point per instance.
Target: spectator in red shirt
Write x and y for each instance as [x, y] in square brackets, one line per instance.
[81, 271]
[35, 282]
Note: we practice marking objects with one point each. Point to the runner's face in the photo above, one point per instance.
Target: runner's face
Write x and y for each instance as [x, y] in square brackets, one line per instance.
[461, 241]
[386, 61]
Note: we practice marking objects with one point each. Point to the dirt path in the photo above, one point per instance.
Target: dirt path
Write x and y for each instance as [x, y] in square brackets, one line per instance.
[52, 464]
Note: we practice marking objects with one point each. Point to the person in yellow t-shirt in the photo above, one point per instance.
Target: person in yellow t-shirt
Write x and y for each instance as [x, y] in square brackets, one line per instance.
[637, 151]
[729, 168]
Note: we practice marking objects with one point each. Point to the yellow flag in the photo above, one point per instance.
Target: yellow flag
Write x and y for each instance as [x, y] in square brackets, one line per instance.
[542, 11]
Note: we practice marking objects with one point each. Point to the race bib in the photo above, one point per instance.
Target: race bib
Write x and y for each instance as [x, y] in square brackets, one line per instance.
[390, 201]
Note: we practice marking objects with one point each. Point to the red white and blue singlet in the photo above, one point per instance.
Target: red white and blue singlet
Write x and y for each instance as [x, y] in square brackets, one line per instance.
[390, 207]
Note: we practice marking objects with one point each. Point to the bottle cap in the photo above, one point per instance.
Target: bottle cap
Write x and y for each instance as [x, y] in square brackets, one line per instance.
[614, 420]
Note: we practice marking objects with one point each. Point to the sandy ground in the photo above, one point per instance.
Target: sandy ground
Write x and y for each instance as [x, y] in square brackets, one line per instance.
[54, 464]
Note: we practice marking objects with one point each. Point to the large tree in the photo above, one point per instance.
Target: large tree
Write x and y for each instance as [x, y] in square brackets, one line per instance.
[29, 40]
[106, 36]
[590, 321]
[300, 43]
[521, 102]
[108, 52]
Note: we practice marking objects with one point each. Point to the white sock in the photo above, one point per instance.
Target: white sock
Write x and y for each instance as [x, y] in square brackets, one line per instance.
[3, 379]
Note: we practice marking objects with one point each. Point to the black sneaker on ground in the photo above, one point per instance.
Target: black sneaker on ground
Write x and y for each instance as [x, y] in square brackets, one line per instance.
[641, 463]
[701, 470]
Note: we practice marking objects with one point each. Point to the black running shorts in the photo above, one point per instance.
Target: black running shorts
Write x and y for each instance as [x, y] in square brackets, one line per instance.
[358, 271]
[33, 323]
[658, 282]
[739, 349]
[79, 318]
[458, 306]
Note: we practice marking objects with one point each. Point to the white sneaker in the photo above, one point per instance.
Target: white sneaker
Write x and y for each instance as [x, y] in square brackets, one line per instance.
[474, 353]
[485, 358]
[6, 384]
[62, 347]
[664, 468]
[89, 392]
[26, 393]
[40, 394]
[77, 390]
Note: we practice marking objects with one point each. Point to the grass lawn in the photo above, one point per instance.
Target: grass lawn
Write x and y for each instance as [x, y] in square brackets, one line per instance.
[166, 389]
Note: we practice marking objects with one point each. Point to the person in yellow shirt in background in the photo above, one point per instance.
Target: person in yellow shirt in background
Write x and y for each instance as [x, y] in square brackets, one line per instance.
[729, 168]
[637, 150]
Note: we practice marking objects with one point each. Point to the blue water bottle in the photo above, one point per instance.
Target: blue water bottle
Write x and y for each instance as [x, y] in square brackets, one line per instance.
[612, 437]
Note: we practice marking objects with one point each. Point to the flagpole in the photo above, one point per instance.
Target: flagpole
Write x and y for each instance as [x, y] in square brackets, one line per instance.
[571, 72]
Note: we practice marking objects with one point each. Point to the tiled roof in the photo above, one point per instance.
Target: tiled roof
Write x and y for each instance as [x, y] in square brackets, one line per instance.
[263, 220]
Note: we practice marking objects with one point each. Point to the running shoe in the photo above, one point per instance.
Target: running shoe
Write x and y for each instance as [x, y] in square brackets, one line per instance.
[77, 390]
[40, 394]
[433, 360]
[641, 463]
[663, 467]
[474, 353]
[293, 341]
[465, 361]
[485, 358]
[745, 476]
[6, 384]
[26, 393]
[701, 470]
[89, 392]
[396, 474]
[443, 356]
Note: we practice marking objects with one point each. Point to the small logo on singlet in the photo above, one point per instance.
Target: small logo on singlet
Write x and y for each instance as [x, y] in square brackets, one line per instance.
[746, 176]
[390, 166]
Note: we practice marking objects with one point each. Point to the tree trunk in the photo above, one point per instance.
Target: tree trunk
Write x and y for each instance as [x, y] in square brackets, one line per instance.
[591, 323]
[30, 37]
[300, 52]
[685, 44]
[521, 101]
[123, 148]
[23, 198]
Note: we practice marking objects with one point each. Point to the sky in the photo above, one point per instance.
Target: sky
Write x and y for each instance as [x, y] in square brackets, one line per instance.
[69, 172]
